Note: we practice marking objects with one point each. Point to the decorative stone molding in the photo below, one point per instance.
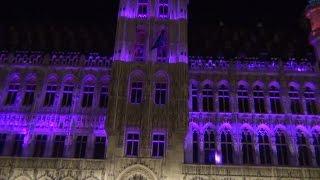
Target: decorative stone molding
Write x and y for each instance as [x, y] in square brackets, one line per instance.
[137, 169]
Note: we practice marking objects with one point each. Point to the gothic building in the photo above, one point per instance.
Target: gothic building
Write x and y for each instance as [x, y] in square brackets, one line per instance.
[152, 112]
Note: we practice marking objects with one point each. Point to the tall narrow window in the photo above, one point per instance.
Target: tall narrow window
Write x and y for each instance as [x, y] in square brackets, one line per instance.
[81, 145]
[29, 95]
[103, 101]
[275, 103]
[207, 98]
[18, 145]
[87, 98]
[160, 93]
[158, 145]
[100, 148]
[139, 51]
[258, 100]
[132, 144]
[316, 144]
[50, 95]
[67, 96]
[303, 150]
[143, 8]
[226, 148]
[195, 147]
[247, 148]
[163, 8]
[209, 147]
[224, 99]
[161, 45]
[310, 99]
[243, 99]
[2, 143]
[264, 147]
[40, 145]
[58, 146]
[295, 104]
[12, 94]
[282, 149]
[136, 92]
[194, 96]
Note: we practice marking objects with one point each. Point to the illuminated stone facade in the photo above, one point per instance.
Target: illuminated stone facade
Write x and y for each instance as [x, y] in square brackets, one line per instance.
[150, 112]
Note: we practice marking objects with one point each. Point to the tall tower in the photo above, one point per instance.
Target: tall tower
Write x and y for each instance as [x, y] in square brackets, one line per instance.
[313, 14]
[148, 114]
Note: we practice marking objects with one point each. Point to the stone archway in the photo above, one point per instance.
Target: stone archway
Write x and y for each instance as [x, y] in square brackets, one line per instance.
[137, 172]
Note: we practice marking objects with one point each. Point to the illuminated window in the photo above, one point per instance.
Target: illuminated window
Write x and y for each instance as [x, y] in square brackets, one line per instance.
[132, 144]
[100, 148]
[316, 144]
[87, 98]
[81, 145]
[282, 149]
[18, 145]
[67, 96]
[50, 95]
[160, 93]
[2, 143]
[226, 148]
[195, 147]
[243, 100]
[158, 145]
[303, 150]
[207, 98]
[103, 101]
[163, 8]
[264, 147]
[247, 148]
[58, 146]
[295, 104]
[275, 103]
[224, 103]
[29, 95]
[12, 94]
[258, 100]
[209, 147]
[40, 145]
[143, 8]
[136, 92]
[310, 99]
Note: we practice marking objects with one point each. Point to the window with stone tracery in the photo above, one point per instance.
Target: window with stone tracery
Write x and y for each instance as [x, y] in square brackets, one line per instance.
[103, 100]
[243, 99]
[50, 95]
[303, 149]
[160, 93]
[275, 102]
[209, 147]
[226, 147]
[163, 8]
[265, 152]
[247, 147]
[12, 94]
[67, 96]
[143, 8]
[194, 98]
[195, 147]
[207, 98]
[87, 97]
[29, 95]
[295, 104]
[258, 100]
[316, 144]
[310, 100]
[136, 92]
[224, 98]
[282, 148]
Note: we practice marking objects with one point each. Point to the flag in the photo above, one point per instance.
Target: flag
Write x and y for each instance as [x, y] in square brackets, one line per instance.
[160, 42]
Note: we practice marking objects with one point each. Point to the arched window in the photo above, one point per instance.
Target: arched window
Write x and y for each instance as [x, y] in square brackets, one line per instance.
[282, 148]
[316, 144]
[13, 88]
[163, 8]
[143, 8]
[88, 93]
[310, 99]
[247, 148]
[243, 99]
[207, 98]
[209, 147]
[303, 149]
[295, 104]
[264, 147]
[224, 99]
[29, 93]
[51, 92]
[275, 103]
[226, 147]
[258, 100]
[194, 96]
[139, 51]
[67, 94]
[195, 147]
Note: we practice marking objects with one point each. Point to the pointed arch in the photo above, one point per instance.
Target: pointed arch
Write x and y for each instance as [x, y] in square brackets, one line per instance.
[137, 169]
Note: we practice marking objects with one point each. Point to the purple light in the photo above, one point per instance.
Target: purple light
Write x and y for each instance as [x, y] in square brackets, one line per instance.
[217, 158]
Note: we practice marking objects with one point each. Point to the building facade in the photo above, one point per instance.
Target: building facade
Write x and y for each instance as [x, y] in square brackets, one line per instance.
[152, 112]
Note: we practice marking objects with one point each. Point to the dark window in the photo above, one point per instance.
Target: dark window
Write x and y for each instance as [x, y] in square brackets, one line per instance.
[258, 100]
[303, 150]
[163, 8]
[195, 147]
[247, 148]
[100, 148]
[81, 144]
[139, 51]
[103, 102]
[143, 8]
[316, 144]
[264, 148]
[18, 145]
[295, 104]
[67, 96]
[58, 146]
[226, 148]
[136, 92]
[243, 99]
[87, 98]
[311, 105]
[275, 102]
[282, 149]
[40, 145]
[12, 94]
[29, 95]
[158, 145]
[132, 144]
[50, 95]
[209, 147]
[194, 96]
[207, 99]
[2, 143]
[224, 104]
[160, 93]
